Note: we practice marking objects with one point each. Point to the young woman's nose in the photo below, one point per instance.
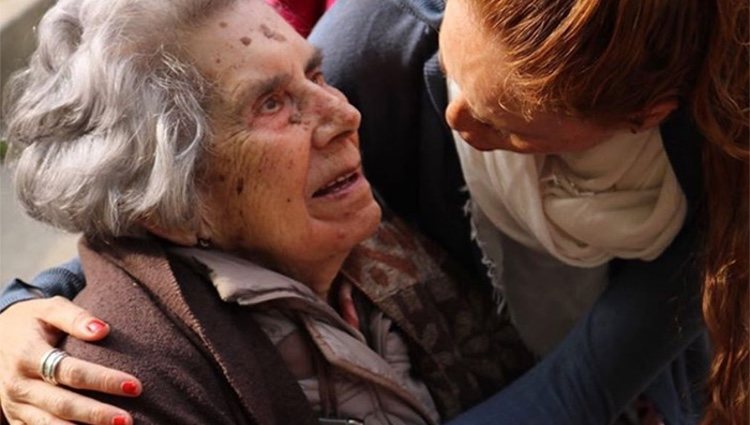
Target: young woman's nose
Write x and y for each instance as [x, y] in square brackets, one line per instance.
[458, 115]
[337, 117]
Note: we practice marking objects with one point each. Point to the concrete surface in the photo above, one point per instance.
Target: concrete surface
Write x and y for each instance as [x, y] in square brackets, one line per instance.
[26, 246]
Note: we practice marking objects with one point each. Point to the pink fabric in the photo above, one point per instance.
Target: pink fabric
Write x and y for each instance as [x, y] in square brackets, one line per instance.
[301, 14]
[647, 412]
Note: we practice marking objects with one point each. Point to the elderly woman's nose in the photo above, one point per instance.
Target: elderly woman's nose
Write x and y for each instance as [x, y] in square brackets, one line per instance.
[337, 118]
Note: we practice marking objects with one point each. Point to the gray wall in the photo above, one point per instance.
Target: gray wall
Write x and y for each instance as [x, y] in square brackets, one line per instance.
[18, 18]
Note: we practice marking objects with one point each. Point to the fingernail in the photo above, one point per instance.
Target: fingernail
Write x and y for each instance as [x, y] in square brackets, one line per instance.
[96, 326]
[129, 387]
[120, 420]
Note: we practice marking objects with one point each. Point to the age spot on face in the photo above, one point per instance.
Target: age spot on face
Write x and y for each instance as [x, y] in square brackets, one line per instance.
[271, 34]
[223, 24]
[295, 118]
[246, 41]
[240, 185]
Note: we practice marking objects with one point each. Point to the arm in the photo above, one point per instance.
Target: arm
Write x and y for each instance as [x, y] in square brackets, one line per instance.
[646, 317]
[29, 329]
[66, 280]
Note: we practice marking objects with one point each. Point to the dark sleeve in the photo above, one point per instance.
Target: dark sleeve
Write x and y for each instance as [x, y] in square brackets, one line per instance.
[374, 52]
[382, 54]
[65, 280]
[647, 316]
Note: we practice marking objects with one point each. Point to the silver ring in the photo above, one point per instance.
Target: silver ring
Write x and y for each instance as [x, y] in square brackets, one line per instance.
[48, 366]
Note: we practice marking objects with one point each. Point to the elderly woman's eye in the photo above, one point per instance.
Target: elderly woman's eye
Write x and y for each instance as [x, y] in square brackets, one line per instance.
[318, 78]
[272, 105]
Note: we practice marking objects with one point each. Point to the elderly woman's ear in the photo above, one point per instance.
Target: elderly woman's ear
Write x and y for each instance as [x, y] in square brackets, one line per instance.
[181, 236]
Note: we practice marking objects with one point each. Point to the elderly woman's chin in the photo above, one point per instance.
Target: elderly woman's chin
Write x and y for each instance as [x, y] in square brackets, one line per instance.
[371, 214]
[343, 217]
[349, 204]
[303, 226]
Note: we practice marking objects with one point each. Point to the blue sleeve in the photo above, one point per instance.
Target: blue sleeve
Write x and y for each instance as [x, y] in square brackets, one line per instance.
[647, 317]
[66, 280]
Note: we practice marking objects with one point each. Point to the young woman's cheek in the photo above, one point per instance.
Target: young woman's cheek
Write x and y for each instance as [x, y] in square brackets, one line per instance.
[485, 139]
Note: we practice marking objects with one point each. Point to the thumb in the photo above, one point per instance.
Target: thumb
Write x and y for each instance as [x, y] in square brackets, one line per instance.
[62, 315]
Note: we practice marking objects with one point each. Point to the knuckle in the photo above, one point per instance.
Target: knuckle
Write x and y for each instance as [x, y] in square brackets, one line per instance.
[97, 415]
[55, 303]
[26, 354]
[36, 418]
[16, 389]
[58, 300]
[12, 413]
[80, 317]
[63, 407]
[108, 381]
[74, 376]
[25, 358]
[14, 421]
[59, 305]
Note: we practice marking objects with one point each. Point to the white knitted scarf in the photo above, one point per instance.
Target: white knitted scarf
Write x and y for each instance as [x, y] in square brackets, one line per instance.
[619, 199]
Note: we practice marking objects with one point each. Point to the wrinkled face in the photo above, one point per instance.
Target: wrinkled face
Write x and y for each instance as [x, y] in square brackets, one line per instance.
[475, 62]
[284, 184]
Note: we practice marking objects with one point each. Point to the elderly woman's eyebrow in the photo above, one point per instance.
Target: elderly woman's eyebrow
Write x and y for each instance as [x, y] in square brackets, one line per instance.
[247, 93]
[315, 60]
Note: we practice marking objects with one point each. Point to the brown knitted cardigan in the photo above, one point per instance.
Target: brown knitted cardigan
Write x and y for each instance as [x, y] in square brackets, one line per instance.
[204, 361]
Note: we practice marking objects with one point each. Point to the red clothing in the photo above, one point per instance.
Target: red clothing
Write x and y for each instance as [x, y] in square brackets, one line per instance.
[301, 14]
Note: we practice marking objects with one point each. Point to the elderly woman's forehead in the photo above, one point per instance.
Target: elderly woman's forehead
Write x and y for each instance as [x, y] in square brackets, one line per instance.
[240, 28]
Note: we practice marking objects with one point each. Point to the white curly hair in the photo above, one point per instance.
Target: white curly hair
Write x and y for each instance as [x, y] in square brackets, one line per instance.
[108, 123]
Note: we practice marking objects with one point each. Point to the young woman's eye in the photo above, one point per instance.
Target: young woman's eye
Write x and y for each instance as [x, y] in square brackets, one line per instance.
[272, 105]
[501, 133]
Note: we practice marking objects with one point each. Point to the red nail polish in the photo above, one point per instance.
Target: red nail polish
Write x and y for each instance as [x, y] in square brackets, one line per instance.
[129, 387]
[120, 420]
[95, 326]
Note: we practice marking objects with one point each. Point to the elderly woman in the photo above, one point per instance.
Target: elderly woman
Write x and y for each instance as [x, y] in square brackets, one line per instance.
[217, 181]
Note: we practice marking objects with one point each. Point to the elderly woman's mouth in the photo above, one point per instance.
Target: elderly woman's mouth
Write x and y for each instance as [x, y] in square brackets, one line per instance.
[339, 184]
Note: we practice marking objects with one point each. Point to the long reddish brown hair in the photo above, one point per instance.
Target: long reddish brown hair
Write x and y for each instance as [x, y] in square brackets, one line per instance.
[611, 60]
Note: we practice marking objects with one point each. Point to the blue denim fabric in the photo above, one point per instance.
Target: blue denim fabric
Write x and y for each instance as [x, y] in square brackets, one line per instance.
[65, 280]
